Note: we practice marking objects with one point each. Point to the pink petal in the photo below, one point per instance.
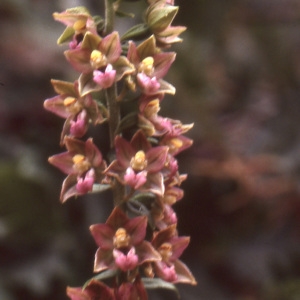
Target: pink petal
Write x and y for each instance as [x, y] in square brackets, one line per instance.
[125, 262]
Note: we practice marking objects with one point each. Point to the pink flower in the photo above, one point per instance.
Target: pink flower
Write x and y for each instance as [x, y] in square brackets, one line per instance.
[126, 262]
[105, 79]
[151, 66]
[121, 242]
[78, 21]
[138, 164]
[78, 111]
[170, 247]
[84, 165]
[95, 55]
[148, 85]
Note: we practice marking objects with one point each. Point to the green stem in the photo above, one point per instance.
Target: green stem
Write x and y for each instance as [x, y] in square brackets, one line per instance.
[109, 16]
[112, 103]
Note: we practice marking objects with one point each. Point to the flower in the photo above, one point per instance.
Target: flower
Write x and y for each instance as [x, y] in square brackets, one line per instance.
[78, 110]
[121, 242]
[102, 55]
[131, 290]
[170, 247]
[84, 165]
[138, 164]
[78, 21]
[151, 66]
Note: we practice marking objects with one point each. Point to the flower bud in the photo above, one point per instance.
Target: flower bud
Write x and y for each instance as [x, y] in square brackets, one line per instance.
[97, 59]
[158, 19]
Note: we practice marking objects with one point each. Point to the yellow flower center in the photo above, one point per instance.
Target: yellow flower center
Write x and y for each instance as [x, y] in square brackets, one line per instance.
[98, 59]
[146, 66]
[165, 250]
[152, 108]
[72, 105]
[139, 162]
[79, 25]
[121, 238]
[80, 163]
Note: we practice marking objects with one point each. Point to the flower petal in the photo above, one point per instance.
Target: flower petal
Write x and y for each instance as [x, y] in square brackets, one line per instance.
[103, 235]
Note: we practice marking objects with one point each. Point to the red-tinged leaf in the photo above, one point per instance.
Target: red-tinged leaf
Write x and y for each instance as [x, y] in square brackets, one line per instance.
[56, 106]
[124, 151]
[115, 170]
[179, 244]
[136, 228]
[164, 236]
[92, 153]
[156, 158]
[147, 253]
[103, 235]
[123, 67]
[62, 161]
[111, 47]
[97, 290]
[117, 218]
[76, 293]
[132, 53]
[140, 142]
[79, 59]
[68, 188]
[75, 146]
[166, 87]
[162, 63]
[184, 274]
[87, 85]
[154, 184]
[171, 31]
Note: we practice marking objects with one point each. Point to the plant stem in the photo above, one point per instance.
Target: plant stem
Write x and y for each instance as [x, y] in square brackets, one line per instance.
[109, 16]
[112, 103]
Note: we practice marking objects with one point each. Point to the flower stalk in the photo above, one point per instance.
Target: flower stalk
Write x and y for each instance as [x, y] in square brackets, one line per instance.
[143, 174]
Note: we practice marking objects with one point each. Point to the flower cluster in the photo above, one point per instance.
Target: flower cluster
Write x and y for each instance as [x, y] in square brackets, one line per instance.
[117, 72]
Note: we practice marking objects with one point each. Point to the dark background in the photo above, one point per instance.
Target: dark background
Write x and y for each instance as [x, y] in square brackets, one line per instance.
[237, 75]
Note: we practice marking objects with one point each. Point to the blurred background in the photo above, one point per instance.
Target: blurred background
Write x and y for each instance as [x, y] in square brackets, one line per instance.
[237, 76]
